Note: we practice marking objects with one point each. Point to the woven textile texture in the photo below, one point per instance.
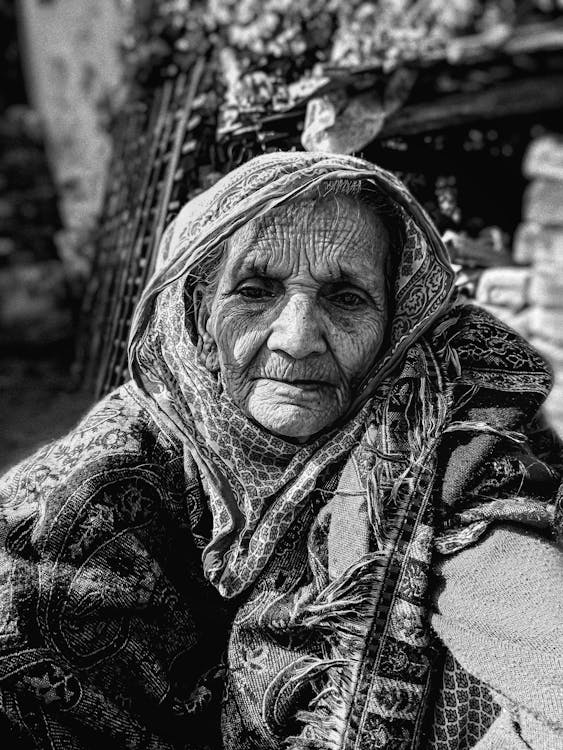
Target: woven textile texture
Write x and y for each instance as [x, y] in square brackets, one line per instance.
[175, 577]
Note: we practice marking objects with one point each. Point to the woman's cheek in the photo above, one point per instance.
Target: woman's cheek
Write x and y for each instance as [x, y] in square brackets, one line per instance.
[239, 337]
[246, 345]
[357, 346]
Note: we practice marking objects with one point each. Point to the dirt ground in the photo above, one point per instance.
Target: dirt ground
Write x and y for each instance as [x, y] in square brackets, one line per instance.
[38, 402]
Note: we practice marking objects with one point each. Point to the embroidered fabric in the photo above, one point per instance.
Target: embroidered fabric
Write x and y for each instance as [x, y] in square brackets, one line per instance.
[113, 628]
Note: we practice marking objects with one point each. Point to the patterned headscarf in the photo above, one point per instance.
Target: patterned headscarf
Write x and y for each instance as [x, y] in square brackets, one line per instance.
[258, 482]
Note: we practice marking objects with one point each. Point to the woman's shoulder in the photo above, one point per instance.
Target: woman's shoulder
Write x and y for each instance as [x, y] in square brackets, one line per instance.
[499, 610]
[477, 349]
[115, 448]
[116, 425]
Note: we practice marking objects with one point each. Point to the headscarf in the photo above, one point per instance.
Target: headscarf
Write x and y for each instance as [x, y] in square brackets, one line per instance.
[258, 482]
[441, 441]
[110, 628]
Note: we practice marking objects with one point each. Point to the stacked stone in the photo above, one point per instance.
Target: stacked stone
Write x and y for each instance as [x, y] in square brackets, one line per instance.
[504, 291]
[528, 294]
[539, 244]
[502, 287]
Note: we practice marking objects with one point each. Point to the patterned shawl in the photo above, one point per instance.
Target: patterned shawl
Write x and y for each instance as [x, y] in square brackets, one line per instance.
[317, 558]
[257, 482]
[442, 414]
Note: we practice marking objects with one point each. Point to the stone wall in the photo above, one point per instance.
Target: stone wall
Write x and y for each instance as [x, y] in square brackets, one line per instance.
[540, 241]
[529, 295]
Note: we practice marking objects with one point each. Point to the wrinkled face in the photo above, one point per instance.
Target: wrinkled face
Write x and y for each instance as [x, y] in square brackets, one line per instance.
[299, 312]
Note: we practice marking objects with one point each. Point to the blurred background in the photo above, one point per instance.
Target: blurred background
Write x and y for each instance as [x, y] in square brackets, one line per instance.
[113, 113]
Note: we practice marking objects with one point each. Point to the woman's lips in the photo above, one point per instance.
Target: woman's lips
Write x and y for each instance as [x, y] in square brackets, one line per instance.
[301, 384]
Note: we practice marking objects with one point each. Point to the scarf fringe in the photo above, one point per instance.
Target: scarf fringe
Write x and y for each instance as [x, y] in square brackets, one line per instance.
[287, 685]
[345, 603]
[443, 341]
[474, 426]
[343, 611]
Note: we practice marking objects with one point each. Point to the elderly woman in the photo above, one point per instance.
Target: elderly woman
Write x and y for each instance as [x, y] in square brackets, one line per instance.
[322, 515]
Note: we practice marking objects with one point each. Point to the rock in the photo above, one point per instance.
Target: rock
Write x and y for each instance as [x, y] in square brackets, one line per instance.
[543, 245]
[554, 414]
[544, 158]
[546, 289]
[524, 244]
[546, 324]
[548, 256]
[551, 352]
[554, 405]
[543, 202]
[504, 287]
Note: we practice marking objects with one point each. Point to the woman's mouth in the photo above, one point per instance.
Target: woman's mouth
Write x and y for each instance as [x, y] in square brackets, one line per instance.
[303, 384]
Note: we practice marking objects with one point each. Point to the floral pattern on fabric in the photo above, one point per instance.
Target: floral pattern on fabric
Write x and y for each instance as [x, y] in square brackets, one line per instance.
[165, 570]
[257, 482]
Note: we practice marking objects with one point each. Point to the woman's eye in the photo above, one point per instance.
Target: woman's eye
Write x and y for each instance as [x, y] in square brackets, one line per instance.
[252, 291]
[348, 300]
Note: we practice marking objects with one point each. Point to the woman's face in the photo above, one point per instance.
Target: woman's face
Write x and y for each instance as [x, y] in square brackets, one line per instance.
[299, 312]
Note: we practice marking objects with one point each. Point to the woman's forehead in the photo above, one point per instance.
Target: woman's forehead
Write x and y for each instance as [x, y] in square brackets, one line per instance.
[339, 238]
[331, 214]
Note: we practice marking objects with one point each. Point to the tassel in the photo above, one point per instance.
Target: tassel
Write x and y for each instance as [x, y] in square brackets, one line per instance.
[469, 426]
[343, 610]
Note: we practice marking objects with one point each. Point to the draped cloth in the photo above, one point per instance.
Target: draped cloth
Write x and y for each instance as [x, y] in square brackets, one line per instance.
[259, 482]
[168, 528]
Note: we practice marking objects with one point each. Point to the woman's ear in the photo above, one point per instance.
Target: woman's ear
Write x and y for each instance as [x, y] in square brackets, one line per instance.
[206, 346]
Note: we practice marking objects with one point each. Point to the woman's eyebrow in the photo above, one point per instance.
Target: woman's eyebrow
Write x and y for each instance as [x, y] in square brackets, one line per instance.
[358, 274]
[252, 262]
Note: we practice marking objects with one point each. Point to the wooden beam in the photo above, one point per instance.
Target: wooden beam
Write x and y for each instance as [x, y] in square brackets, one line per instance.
[518, 97]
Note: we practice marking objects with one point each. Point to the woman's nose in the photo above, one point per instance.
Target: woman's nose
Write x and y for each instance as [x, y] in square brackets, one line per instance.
[296, 331]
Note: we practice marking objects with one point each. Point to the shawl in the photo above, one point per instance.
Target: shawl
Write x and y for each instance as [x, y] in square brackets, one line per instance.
[173, 576]
[257, 482]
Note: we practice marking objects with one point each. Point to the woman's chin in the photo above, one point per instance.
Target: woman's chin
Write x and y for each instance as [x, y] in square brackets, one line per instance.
[292, 421]
[292, 411]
